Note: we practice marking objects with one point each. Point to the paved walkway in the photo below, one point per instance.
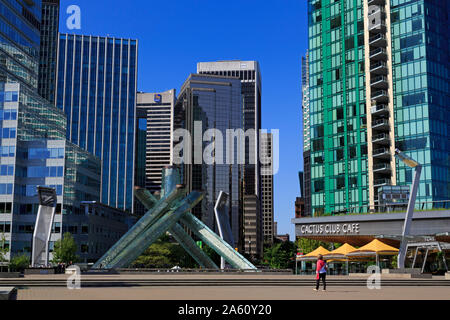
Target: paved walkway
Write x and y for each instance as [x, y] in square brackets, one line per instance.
[236, 293]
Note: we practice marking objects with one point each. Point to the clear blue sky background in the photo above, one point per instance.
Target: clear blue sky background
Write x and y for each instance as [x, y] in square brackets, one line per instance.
[175, 35]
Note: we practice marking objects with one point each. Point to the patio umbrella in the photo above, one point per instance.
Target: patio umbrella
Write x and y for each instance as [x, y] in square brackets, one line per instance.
[340, 254]
[314, 255]
[375, 248]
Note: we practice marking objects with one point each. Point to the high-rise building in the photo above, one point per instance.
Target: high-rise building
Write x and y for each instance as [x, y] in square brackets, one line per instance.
[378, 80]
[208, 102]
[96, 88]
[20, 40]
[306, 183]
[249, 74]
[34, 149]
[267, 190]
[49, 44]
[154, 113]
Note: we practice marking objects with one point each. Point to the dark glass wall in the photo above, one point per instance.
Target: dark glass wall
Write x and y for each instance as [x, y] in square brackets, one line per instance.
[96, 87]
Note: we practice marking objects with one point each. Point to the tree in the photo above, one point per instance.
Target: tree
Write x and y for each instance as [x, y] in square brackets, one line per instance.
[3, 251]
[164, 254]
[307, 246]
[65, 250]
[19, 263]
[280, 255]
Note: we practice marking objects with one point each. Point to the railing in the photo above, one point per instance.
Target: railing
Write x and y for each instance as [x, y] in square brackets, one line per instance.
[379, 93]
[378, 65]
[382, 166]
[380, 107]
[381, 182]
[381, 122]
[378, 51]
[420, 206]
[378, 79]
[378, 137]
[379, 36]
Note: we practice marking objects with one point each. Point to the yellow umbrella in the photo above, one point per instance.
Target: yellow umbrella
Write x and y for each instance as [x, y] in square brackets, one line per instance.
[375, 248]
[314, 255]
[340, 253]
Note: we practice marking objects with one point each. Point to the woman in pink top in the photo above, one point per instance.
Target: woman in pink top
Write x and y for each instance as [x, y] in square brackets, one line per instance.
[321, 273]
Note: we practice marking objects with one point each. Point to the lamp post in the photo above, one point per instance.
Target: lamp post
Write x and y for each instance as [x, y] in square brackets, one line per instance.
[411, 204]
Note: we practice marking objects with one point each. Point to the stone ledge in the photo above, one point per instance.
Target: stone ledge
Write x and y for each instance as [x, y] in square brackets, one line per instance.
[8, 293]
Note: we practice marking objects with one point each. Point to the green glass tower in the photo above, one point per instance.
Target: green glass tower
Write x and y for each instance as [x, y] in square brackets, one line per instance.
[378, 80]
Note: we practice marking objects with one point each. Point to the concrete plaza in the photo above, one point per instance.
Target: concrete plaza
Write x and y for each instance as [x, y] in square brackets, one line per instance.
[225, 287]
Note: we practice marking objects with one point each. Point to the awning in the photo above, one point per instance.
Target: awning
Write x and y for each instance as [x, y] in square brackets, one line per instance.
[314, 255]
[340, 253]
[376, 247]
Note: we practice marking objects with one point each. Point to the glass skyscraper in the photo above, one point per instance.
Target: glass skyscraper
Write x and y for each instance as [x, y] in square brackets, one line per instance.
[49, 44]
[216, 103]
[96, 88]
[378, 80]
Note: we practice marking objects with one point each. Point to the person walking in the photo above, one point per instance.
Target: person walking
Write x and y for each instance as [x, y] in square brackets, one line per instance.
[321, 273]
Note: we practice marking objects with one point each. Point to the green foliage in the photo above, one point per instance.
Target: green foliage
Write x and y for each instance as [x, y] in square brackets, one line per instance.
[280, 255]
[3, 251]
[164, 255]
[394, 262]
[307, 246]
[19, 263]
[65, 250]
[212, 254]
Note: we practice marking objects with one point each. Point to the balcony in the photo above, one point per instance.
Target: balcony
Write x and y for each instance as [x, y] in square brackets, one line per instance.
[379, 82]
[382, 182]
[380, 96]
[378, 41]
[382, 138]
[377, 12]
[382, 168]
[380, 109]
[379, 68]
[375, 2]
[380, 124]
[377, 26]
[378, 54]
[382, 153]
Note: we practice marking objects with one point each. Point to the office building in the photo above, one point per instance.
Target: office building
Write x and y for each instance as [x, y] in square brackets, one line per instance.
[267, 188]
[249, 74]
[154, 113]
[306, 183]
[214, 102]
[96, 88]
[48, 49]
[378, 80]
[34, 149]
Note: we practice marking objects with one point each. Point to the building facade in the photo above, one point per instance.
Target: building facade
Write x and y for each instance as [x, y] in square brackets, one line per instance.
[267, 188]
[249, 73]
[48, 49]
[155, 117]
[208, 102]
[374, 86]
[96, 88]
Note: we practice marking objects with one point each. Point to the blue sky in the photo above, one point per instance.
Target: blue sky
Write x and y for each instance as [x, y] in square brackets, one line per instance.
[175, 35]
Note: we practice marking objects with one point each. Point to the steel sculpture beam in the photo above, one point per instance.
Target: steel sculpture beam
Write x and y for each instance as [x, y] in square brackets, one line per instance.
[149, 236]
[43, 227]
[147, 199]
[235, 259]
[411, 205]
[159, 209]
[167, 209]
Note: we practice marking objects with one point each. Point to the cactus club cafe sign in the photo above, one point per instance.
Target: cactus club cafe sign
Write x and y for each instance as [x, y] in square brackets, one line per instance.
[331, 229]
